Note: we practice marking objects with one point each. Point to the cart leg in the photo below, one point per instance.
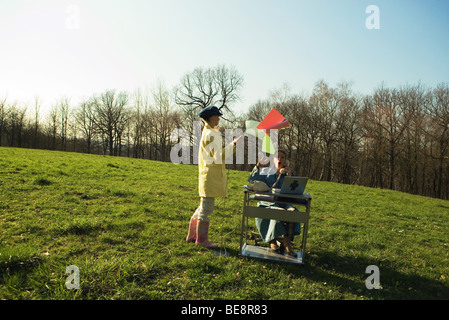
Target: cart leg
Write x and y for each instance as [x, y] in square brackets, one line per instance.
[243, 222]
[305, 231]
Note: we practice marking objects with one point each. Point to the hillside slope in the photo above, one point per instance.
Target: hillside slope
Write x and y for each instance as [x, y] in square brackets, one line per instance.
[123, 223]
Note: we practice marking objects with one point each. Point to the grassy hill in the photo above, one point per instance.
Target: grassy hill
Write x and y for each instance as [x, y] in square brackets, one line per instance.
[123, 222]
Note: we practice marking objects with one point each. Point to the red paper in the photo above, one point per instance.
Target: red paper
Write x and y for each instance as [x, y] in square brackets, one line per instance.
[281, 125]
[273, 120]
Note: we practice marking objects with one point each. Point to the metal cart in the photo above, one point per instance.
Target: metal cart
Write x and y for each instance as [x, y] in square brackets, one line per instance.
[252, 211]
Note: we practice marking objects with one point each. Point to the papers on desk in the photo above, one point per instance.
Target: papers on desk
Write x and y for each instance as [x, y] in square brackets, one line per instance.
[269, 197]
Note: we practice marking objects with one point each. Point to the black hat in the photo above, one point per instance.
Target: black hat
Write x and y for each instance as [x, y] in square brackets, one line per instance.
[209, 111]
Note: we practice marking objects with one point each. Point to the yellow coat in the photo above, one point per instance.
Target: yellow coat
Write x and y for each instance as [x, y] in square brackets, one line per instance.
[212, 180]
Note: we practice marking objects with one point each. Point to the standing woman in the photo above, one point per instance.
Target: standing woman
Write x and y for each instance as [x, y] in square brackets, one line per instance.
[212, 176]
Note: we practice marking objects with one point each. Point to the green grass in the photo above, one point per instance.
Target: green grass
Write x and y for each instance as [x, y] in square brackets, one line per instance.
[123, 222]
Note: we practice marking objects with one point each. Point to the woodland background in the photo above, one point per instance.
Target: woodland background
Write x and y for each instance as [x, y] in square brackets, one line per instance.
[396, 138]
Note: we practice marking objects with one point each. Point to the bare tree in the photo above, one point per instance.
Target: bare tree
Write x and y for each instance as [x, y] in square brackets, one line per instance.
[349, 132]
[37, 106]
[3, 117]
[110, 118]
[164, 118]
[228, 82]
[140, 107]
[208, 86]
[14, 125]
[120, 127]
[64, 116]
[412, 100]
[53, 126]
[84, 118]
[385, 113]
[438, 109]
[259, 110]
[323, 100]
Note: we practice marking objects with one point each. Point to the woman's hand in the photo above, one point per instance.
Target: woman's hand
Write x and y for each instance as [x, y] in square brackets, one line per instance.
[286, 170]
[263, 161]
[236, 139]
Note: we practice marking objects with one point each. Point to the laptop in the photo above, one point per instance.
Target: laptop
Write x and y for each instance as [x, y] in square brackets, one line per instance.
[294, 185]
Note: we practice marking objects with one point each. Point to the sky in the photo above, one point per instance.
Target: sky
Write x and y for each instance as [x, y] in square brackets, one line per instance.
[76, 48]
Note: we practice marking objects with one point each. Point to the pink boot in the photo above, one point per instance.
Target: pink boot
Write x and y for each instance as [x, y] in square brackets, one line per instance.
[202, 232]
[191, 236]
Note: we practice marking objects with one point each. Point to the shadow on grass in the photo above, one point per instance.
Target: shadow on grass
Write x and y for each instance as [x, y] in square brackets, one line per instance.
[348, 274]
[18, 264]
[340, 269]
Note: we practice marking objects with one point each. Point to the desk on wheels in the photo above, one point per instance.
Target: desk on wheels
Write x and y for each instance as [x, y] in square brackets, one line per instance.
[250, 210]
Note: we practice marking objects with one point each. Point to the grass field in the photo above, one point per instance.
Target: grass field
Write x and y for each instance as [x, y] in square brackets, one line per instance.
[123, 223]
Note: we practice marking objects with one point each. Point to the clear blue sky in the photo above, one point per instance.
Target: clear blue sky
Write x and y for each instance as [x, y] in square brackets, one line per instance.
[126, 45]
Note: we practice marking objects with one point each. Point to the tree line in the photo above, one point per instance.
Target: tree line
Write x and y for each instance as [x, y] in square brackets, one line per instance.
[396, 138]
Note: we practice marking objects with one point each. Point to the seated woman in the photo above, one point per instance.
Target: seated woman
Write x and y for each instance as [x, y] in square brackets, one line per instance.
[272, 230]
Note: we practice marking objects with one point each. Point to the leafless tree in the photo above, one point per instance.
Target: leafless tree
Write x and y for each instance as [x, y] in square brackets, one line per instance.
[412, 100]
[3, 117]
[84, 119]
[438, 110]
[208, 86]
[140, 107]
[63, 106]
[15, 124]
[386, 114]
[110, 118]
[53, 126]
[37, 107]
[349, 133]
[165, 118]
[324, 102]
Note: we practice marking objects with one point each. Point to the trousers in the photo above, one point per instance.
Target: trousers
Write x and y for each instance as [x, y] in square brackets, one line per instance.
[205, 208]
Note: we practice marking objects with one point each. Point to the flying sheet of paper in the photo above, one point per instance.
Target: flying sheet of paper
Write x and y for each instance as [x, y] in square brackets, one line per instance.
[251, 128]
[267, 145]
[281, 125]
[273, 120]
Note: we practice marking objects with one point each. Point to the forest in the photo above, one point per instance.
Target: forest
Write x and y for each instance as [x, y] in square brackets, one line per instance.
[394, 137]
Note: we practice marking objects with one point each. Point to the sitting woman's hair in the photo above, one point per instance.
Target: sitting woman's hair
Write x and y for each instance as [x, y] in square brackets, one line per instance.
[283, 151]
